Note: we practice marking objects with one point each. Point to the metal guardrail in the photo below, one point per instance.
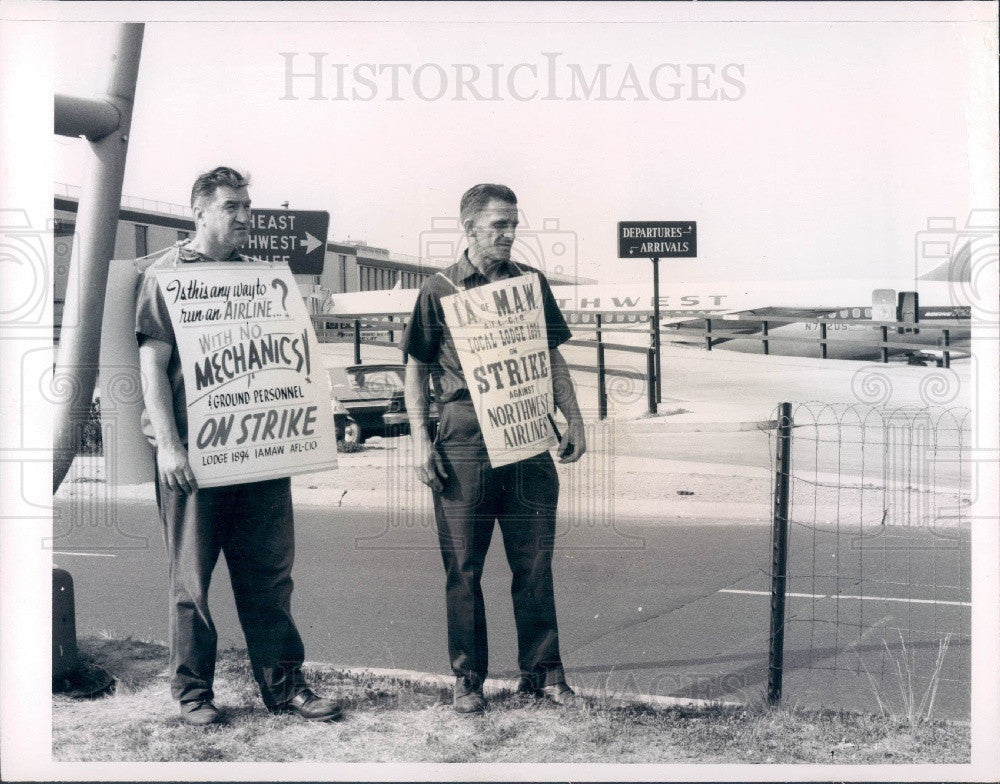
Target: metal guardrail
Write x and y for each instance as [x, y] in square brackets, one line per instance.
[715, 330]
[382, 331]
[135, 202]
[347, 328]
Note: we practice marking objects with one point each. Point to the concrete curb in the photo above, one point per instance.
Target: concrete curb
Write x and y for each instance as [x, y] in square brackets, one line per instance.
[493, 686]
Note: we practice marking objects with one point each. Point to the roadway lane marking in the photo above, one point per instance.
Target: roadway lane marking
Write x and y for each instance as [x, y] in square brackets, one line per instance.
[848, 596]
[86, 555]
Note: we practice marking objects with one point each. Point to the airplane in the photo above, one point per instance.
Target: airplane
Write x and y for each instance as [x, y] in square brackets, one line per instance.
[737, 308]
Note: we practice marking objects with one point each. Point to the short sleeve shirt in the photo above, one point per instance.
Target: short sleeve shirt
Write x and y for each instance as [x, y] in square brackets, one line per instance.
[428, 338]
[152, 320]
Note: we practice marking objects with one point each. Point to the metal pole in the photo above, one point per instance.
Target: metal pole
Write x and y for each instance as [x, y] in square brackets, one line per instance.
[822, 340]
[96, 226]
[656, 325]
[75, 116]
[885, 348]
[650, 381]
[779, 553]
[602, 392]
[357, 341]
[947, 343]
[767, 343]
[708, 334]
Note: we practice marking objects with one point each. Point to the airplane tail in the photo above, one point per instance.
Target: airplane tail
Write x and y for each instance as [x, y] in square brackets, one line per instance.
[957, 269]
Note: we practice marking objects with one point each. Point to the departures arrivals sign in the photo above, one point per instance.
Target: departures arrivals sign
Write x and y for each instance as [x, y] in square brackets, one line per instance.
[657, 239]
[293, 237]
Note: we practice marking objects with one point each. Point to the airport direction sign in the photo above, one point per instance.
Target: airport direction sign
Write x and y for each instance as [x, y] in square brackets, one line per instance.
[297, 237]
[657, 239]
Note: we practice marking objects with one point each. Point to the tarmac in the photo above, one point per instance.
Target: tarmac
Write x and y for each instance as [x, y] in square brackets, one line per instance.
[707, 453]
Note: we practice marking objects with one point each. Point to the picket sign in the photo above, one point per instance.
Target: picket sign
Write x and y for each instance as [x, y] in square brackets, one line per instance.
[257, 393]
[501, 338]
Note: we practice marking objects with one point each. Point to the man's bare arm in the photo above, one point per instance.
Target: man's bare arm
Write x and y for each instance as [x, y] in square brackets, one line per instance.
[427, 461]
[565, 400]
[171, 456]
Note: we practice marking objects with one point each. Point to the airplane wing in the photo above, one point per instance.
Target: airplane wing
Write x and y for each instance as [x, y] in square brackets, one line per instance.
[384, 302]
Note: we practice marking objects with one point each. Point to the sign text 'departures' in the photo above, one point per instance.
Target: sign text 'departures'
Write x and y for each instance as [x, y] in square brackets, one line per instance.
[657, 239]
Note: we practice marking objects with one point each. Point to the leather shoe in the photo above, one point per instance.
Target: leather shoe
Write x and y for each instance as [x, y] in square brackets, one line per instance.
[525, 686]
[559, 693]
[200, 713]
[306, 705]
[468, 697]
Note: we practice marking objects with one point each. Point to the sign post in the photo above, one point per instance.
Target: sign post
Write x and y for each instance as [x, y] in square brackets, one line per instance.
[656, 326]
[653, 240]
[293, 237]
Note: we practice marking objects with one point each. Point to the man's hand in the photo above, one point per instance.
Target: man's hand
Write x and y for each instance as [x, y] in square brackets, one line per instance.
[573, 443]
[171, 456]
[428, 463]
[430, 468]
[175, 470]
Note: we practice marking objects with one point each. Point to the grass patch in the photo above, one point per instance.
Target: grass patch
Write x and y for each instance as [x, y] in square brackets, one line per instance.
[394, 720]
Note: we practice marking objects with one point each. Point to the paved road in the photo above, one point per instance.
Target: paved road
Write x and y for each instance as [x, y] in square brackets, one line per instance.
[670, 608]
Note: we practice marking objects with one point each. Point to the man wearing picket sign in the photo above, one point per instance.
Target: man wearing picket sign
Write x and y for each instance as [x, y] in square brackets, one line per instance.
[250, 522]
[486, 331]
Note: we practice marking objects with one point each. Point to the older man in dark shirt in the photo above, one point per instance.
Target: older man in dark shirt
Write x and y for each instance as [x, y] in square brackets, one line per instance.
[470, 495]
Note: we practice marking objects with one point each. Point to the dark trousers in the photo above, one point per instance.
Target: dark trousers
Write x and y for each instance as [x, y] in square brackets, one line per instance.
[252, 525]
[520, 497]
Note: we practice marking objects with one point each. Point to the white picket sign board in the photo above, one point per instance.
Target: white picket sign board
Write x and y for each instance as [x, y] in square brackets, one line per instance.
[258, 402]
[501, 338]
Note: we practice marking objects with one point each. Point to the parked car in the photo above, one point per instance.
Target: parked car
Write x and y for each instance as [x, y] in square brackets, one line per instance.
[345, 426]
[369, 401]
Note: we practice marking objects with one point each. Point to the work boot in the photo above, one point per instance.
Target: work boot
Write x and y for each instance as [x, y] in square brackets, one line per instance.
[559, 693]
[468, 696]
[307, 705]
[200, 713]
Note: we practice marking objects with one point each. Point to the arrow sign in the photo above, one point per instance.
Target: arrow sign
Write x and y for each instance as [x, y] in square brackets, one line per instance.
[311, 243]
[296, 237]
[657, 239]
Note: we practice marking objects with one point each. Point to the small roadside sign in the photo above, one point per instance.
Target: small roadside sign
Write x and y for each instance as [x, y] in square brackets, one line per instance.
[297, 237]
[657, 239]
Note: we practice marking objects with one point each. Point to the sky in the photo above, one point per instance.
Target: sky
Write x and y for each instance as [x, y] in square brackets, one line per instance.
[803, 150]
